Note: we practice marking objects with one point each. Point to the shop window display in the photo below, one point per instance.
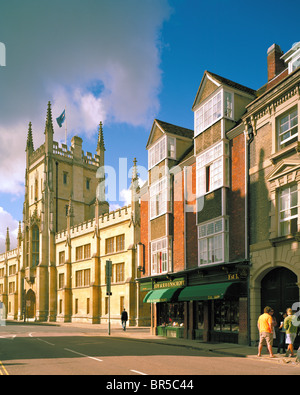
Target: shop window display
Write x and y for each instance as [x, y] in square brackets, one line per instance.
[200, 324]
[226, 316]
[171, 314]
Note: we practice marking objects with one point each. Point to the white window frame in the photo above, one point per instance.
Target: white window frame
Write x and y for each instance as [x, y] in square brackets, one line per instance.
[162, 150]
[295, 58]
[159, 198]
[213, 109]
[160, 255]
[290, 128]
[216, 159]
[213, 236]
[288, 209]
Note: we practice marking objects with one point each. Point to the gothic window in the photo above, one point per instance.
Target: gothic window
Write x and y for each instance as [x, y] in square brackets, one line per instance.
[35, 246]
[36, 189]
[27, 247]
[65, 178]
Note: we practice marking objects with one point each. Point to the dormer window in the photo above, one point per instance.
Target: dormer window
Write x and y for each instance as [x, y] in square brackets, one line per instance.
[292, 57]
[295, 63]
[218, 106]
[164, 148]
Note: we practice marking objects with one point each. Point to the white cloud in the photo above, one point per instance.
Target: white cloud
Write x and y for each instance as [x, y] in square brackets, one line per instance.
[6, 220]
[101, 59]
[12, 159]
[125, 194]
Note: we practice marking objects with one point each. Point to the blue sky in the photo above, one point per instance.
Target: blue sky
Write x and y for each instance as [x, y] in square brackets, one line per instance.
[122, 62]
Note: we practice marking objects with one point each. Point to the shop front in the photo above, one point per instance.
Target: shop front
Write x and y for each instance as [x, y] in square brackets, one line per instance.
[191, 308]
[214, 311]
[167, 313]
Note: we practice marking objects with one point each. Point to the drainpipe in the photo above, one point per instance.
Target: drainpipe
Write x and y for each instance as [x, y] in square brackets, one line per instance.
[249, 131]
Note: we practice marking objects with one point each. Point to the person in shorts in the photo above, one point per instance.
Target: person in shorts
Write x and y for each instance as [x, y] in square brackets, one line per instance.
[265, 327]
[290, 331]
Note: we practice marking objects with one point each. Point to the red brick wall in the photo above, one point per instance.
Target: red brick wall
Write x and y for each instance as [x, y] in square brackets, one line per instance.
[237, 199]
[190, 220]
[191, 228]
[178, 244]
[144, 231]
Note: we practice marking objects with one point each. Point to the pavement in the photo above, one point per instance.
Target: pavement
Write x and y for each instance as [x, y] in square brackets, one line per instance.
[229, 349]
[143, 334]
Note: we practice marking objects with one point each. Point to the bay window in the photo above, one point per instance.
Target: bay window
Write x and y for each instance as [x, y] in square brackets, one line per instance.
[160, 254]
[213, 241]
[220, 105]
[212, 169]
[158, 198]
[162, 149]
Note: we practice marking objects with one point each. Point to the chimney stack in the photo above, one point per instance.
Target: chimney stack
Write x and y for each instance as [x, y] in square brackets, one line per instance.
[275, 64]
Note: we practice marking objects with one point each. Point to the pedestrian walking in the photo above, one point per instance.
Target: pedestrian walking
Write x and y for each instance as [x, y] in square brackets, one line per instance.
[124, 318]
[265, 327]
[281, 332]
[290, 330]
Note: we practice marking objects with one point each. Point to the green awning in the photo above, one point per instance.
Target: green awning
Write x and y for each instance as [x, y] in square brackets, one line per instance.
[161, 295]
[205, 292]
[147, 296]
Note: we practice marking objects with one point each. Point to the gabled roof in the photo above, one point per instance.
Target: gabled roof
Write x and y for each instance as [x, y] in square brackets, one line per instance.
[221, 81]
[169, 128]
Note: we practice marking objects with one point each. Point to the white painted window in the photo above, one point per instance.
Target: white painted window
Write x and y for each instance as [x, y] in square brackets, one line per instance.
[162, 149]
[287, 128]
[159, 198]
[220, 105]
[159, 256]
[288, 210]
[213, 241]
[212, 169]
[228, 105]
[295, 63]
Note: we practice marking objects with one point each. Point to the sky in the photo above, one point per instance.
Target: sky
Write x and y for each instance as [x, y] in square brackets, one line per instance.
[124, 63]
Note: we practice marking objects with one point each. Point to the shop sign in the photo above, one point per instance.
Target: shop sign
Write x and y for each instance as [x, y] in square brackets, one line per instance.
[145, 287]
[233, 276]
[241, 274]
[179, 282]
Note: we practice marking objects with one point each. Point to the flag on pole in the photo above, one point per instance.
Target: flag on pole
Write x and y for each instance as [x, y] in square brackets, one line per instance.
[60, 120]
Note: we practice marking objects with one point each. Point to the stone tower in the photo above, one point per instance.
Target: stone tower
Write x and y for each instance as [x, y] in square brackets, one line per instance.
[56, 178]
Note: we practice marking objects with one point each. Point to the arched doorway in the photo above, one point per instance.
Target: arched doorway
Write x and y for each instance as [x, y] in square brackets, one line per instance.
[30, 304]
[279, 290]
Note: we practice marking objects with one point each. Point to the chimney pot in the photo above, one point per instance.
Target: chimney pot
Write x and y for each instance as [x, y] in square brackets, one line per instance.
[275, 64]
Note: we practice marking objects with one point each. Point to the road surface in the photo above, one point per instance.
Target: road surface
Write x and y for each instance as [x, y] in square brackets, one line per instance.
[57, 350]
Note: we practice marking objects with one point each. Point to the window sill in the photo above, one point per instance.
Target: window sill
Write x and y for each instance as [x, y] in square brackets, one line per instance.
[282, 239]
[277, 156]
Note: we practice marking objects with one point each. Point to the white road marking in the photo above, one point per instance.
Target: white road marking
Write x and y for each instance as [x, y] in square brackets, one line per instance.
[10, 337]
[136, 371]
[83, 355]
[45, 341]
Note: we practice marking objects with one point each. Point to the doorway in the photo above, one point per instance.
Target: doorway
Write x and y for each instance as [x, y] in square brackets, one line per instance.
[30, 304]
[279, 290]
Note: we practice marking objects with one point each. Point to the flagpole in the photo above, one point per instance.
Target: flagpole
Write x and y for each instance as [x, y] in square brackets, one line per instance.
[66, 125]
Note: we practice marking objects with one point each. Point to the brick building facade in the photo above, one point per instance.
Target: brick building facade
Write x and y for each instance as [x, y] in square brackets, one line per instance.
[232, 225]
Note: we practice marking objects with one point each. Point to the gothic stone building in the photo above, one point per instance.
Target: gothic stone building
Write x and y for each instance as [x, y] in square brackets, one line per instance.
[57, 271]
